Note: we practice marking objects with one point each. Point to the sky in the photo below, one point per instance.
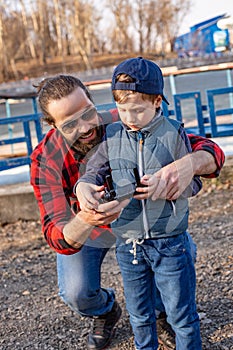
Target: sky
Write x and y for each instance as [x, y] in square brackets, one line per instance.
[202, 10]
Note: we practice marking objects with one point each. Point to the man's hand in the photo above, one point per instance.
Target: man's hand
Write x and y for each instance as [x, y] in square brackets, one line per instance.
[109, 208]
[80, 227]
[95, 218]
[92, 214]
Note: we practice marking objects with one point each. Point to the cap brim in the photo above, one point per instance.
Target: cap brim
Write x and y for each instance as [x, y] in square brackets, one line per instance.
[165, 100]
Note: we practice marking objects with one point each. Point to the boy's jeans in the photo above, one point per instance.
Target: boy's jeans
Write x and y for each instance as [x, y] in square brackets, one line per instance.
[168, 264]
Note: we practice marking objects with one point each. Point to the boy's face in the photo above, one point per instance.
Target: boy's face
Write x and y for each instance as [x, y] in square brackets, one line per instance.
[136, 113]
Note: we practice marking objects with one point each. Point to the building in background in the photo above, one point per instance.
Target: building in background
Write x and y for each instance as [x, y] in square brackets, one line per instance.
[211, 37]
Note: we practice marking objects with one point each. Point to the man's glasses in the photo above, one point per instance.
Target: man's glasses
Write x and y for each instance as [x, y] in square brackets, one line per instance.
[88, 114]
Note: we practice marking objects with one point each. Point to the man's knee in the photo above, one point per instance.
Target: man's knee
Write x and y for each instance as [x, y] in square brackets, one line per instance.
[87, 302]
[78, 300]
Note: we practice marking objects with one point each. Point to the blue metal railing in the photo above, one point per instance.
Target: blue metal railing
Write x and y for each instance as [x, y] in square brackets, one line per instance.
[207, 118]
[196, 96]
[25, 121]
[218, 128]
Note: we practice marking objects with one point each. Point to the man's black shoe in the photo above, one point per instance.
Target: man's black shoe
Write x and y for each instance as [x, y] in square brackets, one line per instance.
[165, 333]
[103, 328]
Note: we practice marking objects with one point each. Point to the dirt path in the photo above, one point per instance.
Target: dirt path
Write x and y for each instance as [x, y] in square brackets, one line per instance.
[34, 317]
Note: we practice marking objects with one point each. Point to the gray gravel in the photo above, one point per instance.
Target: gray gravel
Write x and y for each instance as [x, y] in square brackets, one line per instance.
[34, 317]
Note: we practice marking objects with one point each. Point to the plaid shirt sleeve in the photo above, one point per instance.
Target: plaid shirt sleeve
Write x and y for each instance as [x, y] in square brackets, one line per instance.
[53, 174]
[54, 208]
[199, 143]
[196, 185]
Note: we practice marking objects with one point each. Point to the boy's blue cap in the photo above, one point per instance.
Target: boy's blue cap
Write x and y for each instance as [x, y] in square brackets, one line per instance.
[148, 77]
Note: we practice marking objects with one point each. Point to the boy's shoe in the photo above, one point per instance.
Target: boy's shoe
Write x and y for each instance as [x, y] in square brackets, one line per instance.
[103, 328]
[165, 333]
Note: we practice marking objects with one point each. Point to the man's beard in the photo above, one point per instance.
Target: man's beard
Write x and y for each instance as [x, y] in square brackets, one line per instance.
[84, 148]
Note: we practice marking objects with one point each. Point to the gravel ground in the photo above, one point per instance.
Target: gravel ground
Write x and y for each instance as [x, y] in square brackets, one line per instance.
[34, 317]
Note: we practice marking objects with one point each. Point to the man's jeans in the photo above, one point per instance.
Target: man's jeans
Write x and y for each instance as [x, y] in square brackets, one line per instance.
[168, 265]
[79, 281]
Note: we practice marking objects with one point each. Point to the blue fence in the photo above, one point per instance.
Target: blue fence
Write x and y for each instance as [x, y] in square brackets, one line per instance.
[207, 120]
[25, 120]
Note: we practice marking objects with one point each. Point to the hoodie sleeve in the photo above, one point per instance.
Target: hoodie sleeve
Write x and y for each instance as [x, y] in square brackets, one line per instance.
[97, 166]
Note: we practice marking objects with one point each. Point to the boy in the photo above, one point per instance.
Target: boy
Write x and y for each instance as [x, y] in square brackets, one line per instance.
[151, 229]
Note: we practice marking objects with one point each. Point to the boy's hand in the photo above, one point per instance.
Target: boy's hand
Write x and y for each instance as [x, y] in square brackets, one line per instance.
[89, 197]
[169, 182]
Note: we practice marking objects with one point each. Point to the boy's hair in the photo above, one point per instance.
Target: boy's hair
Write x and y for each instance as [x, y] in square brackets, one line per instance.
[120, 96]
[55, 88]
[147, 77]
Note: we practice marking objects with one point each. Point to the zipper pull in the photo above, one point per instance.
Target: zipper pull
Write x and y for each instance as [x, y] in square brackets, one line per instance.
[140, 136]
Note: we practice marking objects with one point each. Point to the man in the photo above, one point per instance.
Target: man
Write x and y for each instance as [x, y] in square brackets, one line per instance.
[57, 163]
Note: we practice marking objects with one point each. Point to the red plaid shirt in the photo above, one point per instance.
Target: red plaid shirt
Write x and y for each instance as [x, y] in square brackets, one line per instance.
[55, 168]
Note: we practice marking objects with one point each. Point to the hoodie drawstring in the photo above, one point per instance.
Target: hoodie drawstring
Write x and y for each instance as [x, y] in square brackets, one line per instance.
[134, 250]
[173, 207]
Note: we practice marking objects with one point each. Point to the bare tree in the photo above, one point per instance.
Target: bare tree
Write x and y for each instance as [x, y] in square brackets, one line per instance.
[3, 62]
[53, 29]
[150, 25]
[121, 10]
[80, 21]
[141, 22]
[27, 30]
[12, 40]
[157, 22]
[58, 27]
[41, 33]
[171, 14]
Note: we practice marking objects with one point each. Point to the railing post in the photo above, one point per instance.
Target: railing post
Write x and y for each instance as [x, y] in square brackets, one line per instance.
[34, 105]
[229, 83]
[172, 84]
[10, 129]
